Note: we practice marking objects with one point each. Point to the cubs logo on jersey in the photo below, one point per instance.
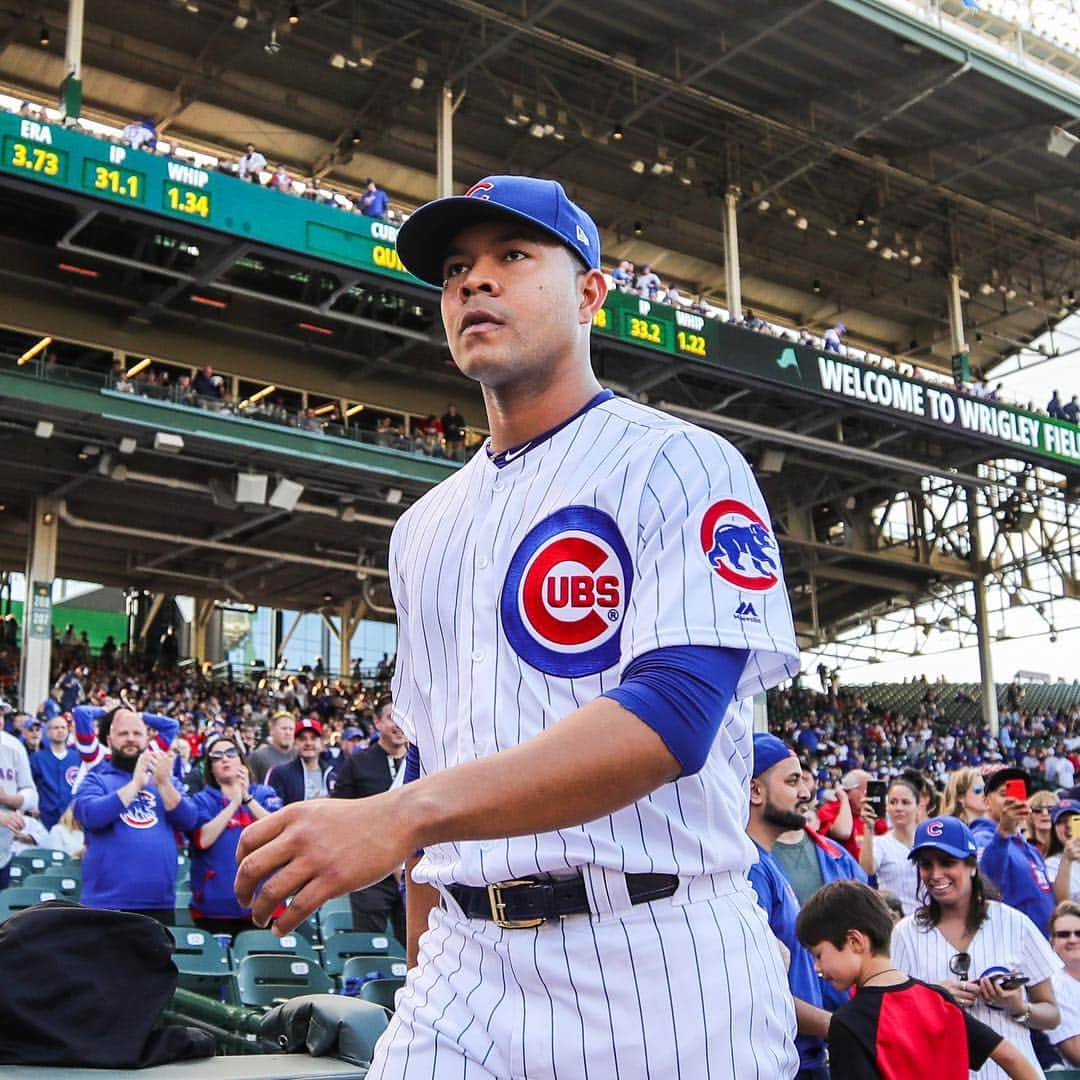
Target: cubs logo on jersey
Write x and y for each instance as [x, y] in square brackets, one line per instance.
[70, 773]
[565, 594]
[739, 545]
[141, 812]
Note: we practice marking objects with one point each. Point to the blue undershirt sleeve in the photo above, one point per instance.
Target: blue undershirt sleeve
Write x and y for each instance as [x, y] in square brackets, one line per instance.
[682, 693]
[412, 764]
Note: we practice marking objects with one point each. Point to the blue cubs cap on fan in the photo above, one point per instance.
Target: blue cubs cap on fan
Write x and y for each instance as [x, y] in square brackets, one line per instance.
[1059, 811]
[769, 751]
[946, 834]
[424, 239]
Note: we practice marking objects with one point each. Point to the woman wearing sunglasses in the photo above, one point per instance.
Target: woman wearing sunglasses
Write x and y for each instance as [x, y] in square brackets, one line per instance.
[1065, 937]
[1042, 805]
[973, 946]
[227, 804]
[965, 796]
[1063, 851]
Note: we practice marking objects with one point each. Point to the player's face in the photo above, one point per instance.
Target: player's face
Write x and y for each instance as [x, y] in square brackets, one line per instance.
[1066, 938]
[946, 879]
[127, 734]
[839, 966]
[514, 303]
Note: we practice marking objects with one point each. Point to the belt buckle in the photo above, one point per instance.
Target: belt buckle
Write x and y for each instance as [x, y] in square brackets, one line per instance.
[498, 906]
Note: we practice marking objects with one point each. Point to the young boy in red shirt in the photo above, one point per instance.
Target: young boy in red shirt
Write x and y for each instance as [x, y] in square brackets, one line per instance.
[895, 1027]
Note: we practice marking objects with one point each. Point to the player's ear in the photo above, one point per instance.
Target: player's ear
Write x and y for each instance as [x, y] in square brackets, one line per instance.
[592, 292]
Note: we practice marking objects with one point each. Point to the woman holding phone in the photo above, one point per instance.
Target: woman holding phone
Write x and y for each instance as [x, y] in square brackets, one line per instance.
[1063, 851]
[886, 857]
[990, 957]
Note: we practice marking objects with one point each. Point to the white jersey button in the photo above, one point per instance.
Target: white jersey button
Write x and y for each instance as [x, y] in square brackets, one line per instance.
[482, 562]
[478, 657]
[497, 486]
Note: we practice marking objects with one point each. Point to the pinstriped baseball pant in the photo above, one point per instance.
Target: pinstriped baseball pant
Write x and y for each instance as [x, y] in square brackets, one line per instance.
[688, 987]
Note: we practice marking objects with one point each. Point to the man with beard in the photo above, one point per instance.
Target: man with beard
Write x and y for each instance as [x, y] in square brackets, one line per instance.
[128, 808]
[368, 772]
[778, 797]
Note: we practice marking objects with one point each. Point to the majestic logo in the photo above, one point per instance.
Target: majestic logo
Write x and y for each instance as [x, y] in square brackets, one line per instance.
[746, 610]
[140, 813]
[477, 191]
[935, 828]
[565, 594]
[739, 546]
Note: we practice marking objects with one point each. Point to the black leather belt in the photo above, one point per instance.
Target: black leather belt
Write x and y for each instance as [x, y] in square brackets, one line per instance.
[527, 902]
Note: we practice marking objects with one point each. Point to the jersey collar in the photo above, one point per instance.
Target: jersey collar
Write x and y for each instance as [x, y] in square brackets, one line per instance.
[505, 457]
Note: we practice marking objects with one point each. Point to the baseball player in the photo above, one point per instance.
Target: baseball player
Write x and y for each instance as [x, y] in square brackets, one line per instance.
[585, 610]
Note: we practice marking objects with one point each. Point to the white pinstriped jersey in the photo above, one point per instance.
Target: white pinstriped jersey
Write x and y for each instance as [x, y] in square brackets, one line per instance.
[523, 591]
[1007, 941]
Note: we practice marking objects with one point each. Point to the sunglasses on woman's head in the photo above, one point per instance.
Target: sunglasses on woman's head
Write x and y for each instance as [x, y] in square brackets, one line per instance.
[220, 755]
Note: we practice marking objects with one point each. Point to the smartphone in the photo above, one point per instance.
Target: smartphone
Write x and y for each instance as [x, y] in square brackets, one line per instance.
[1074, 827]
[1015, 789]
[1011, 980]
[875, 796]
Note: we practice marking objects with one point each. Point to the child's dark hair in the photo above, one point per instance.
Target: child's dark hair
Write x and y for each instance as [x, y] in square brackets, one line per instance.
[837, 909]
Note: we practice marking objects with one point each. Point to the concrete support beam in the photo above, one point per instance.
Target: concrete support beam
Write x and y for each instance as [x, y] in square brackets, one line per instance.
[732, 272]
[34, 682]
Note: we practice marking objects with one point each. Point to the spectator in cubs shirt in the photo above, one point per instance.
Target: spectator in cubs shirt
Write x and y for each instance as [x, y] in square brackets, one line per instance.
[54, 768]
[128, 808]
[225, 807]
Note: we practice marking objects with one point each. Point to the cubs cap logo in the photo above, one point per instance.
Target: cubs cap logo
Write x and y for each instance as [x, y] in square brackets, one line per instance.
[566, 591]
[140, 813]
[479, 190]
[935, 828]
[739, 545]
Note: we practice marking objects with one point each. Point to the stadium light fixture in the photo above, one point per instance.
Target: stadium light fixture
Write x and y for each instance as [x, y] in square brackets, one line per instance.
[764, 205]
[127, 445]
[1061, 142]
[240, 22]
[294, 14]
[394, 496]
[251, 488]
[167, 443]
[860, 218]
[142, 365]
[637, 166]
[417, 81]
[338, 61]
[354, 409]
[43, 37]
[617, 133]
[286, 494]
[44, 429]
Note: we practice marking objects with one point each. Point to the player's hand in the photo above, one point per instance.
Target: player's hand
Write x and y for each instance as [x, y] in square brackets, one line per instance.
[316, 850]
[966, 993]
[1014, 813]
[1012, 1001]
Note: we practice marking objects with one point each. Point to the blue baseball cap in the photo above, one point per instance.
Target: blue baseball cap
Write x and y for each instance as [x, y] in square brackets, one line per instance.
[946, 834]
[769, 751]
[423, 240]
[1063, 808]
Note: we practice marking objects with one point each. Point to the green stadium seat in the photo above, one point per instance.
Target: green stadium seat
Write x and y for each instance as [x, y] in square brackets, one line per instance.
[182, 917]
[19, 897]
[341, 946]
[335, 922]
[66, 886]
[309, 929]
[381, 991]
[338, 903]
[265, 942]
[203, 964]
[263, 978]
[380, 965]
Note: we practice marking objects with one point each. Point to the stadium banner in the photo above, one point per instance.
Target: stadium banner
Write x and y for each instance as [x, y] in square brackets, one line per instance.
[684, 335]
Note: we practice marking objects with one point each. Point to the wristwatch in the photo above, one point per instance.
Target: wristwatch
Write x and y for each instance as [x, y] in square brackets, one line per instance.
[251, 797]
[1025, 1017]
